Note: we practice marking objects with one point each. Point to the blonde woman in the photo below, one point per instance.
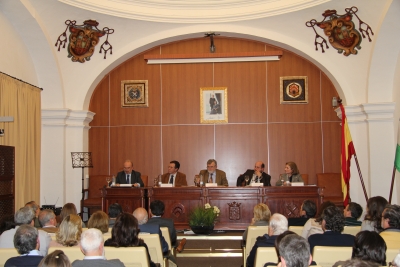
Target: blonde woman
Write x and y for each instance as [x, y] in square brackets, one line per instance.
[69, 232]
[99, 220]
[262, 214]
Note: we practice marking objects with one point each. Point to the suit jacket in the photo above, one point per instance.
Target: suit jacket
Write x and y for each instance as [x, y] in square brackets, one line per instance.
[135, 178]
[50, 230]
[262, 241]
[180, 179]
[330, 238]
[220, 178]
[23, 261]
[97, 262]
[164, 222]
[154, 229]
[296, 178]
[265, 178]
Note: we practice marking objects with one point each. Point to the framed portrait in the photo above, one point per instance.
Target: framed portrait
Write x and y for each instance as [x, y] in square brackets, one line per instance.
[294, 90]
[134, 93]
[213, 105]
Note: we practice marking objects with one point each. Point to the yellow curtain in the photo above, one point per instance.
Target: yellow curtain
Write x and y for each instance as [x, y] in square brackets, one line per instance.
[22, 101]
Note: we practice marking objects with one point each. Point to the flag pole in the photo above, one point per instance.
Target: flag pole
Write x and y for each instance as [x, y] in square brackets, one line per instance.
[391, 186]
[361, 177]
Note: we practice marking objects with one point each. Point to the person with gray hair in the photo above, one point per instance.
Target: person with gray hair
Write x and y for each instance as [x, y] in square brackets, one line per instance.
[213, 175]
[277, 225]
[25, 215]
[36, 209]
[92, 246]
[27, 244]
[294, 251]
[48, 221]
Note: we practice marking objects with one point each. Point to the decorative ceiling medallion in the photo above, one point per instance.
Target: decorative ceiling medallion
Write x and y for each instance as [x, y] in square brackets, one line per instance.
[194, 11]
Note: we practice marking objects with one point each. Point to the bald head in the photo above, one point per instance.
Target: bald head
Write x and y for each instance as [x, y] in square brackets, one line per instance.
[259, 167]
[141, 215]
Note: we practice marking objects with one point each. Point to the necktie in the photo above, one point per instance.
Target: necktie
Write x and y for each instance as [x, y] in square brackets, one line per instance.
[128, 181]
[211, 179]
[171, 179]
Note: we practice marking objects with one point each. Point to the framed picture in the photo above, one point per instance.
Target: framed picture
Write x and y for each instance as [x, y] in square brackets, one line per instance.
[294, 90]
[134, 93]
[213, 105]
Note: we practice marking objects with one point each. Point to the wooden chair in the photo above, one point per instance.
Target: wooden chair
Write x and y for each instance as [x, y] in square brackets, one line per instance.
[73, 253]
[93, 200]
[265, 255]
[252, 233]
[351, 230]
[130, 257]
[332, 187]
[327, 256]
[153, 243]
[305, 178]
[6, 253]
[145, 179]
[297, 229]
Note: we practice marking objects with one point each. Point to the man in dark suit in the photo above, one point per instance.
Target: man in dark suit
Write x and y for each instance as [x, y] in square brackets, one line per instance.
[129, 176]
[332, 225]
[157, 208]
[92, 245]
[255, 176]
[213, 175]
[173, 176]
[27, 243]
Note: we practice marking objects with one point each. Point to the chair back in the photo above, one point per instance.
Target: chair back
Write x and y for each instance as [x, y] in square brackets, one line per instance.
[130, 256]
[6, 253]
[351, 230]
[332, 187]
[326, 256]
[167, 237]
[154, 245]
[265, 255]
[305, 178]
[145, 179]
[297, 229]
[252, 233]
[73, 253]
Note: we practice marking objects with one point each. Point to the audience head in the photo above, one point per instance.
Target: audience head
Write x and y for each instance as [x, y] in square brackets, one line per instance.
[68, 209]
[114, 210]
[261, 212]
[34, 206]
[125, 232]
[47, 217]
[70, 230]
[99, 220]
[157, 207]
[26, 239]
[375, 207]
[323, 206]
[391, 217]
[279, 239]
[358, 263]
[92, 242]
[370, 246]
[353, 210]
[24, 215]
[294, 251]
[332, 219]
[308, 208]
[7, 222]
[141, 215]
[55, 259]
[277, 224]
[292, 167]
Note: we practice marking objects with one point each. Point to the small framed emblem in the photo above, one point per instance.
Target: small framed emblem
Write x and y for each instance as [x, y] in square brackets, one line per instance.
[134, 93]
[213, 105]
[294, 90]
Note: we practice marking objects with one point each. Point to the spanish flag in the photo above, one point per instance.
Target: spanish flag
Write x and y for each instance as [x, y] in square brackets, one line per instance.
[397, 158]
[347, 152]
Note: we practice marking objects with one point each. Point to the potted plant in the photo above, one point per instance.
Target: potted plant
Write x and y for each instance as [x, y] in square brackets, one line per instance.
[202, 219]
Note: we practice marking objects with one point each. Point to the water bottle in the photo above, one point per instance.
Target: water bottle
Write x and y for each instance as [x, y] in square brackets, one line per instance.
[159, 180]
[113, 180]
[201, 181]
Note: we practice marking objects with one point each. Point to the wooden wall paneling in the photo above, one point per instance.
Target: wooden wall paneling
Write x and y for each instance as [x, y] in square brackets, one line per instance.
[297, 142]
[141, 144]
[246, 82]
[99, 146]
[181, 91]
[99, 103]
[191, 145]
[238, 147]
[332, 146]
[328, 91]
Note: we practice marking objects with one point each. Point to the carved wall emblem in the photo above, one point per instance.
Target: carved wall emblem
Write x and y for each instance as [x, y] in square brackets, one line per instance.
[234, 211]
[177, 210]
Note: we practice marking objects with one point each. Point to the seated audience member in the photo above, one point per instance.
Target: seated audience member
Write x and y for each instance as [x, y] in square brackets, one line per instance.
[92, 245]
[351, 213]
[113, 211]
[99, 220]
[332, 225]
[372, 220]
[36, 209]
[69, 232]
[294, 251]
[157, 208]
[396, 261]
[262, 214]
[24, 215]
[358, 263]
[255, 176]
[277, 225]
[291, 175]
[213, 175]
[55, 259]
[173, 176]
[27, 244]
[307, 211]
[391, 226]
[7, 223]
[68, 209]
[313, 225]
[48, 221]
[125, 233]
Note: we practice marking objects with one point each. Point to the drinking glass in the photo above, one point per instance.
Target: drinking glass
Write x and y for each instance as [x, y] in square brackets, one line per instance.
[282, 180]
[196, 180]
[108, 180]
[155, 182]
[247, 178]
